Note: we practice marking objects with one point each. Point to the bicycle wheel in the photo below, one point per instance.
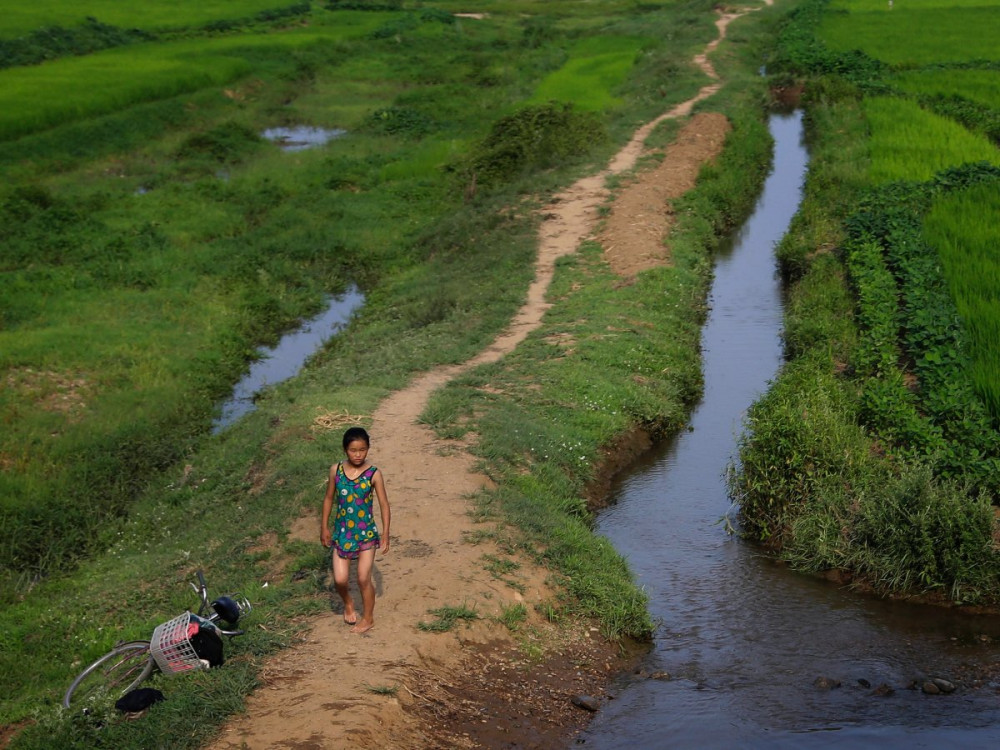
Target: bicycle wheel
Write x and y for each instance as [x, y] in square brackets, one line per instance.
[111, 676]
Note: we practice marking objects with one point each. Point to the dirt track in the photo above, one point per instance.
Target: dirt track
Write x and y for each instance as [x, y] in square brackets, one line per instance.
[463, 688]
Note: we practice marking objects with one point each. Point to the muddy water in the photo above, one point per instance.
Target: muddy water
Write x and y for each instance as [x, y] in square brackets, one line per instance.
[742, 639]
[285, 359]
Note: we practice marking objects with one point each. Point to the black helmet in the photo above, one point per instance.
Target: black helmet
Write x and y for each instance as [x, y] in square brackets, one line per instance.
[227, 609]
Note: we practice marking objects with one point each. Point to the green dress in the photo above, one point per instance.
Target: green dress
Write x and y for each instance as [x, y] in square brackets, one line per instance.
[354, 524]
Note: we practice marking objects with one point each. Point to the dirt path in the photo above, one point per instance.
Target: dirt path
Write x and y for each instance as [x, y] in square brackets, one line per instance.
[450, 689]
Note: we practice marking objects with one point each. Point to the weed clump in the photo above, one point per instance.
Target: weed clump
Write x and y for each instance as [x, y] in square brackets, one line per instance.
[534, 138]
[228, 143]
[402, 121]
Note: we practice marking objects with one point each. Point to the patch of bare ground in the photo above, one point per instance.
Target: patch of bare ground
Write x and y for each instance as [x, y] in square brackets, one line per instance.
[402, 686]
[642, 215]
[51, 391]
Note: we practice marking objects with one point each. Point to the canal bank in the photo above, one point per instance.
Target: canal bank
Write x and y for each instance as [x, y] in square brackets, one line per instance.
[748, 653]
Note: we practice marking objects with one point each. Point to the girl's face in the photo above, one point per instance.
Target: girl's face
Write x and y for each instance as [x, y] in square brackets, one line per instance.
[357, 452]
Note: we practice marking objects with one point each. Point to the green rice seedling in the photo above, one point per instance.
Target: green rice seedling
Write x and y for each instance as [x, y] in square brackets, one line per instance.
[881, 6]
[568, 9]
[981, 86]
[155, 15]
[39, 97]
[907, 35]
[966, 246]
[596, 67]
[909, 143]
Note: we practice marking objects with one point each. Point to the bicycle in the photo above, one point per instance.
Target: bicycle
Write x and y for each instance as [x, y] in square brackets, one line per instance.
[170, 649]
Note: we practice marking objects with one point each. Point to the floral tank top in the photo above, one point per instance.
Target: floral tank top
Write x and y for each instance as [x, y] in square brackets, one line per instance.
[354, 525]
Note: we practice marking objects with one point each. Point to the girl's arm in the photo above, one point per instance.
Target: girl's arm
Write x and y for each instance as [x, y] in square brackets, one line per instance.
[383, 506]
[324, 526]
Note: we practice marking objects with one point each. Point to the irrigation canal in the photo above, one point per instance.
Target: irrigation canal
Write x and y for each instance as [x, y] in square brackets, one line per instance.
[286, 358]
[747, 654]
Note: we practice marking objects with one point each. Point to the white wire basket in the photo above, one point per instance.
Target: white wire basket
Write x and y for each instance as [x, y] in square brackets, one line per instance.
[171, 647]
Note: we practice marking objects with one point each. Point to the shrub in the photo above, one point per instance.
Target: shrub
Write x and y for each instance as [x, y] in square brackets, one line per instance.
[535, 137]
[228, 143]
[404, 121]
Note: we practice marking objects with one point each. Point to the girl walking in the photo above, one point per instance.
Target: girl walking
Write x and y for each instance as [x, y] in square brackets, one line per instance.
[355, 535]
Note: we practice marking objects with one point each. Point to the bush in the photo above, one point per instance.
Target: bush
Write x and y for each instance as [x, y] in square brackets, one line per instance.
[404, 121]
[56, 41]
[901, 533]
[228, 143]
[535, 137]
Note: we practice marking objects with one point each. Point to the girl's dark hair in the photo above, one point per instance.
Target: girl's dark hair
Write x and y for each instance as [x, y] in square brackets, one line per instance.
[356, 433]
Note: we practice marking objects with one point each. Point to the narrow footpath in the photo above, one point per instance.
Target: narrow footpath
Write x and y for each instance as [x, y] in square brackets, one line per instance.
[463, 688]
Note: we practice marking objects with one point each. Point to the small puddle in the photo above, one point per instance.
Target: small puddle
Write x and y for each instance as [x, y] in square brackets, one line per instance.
[301, 137]
[285, 359]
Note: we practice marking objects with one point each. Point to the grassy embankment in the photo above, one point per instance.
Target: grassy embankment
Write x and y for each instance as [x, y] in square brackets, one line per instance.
[876, 452]
[151, 248]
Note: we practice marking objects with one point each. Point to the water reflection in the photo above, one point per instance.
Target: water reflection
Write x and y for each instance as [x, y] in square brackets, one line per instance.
[743, 638]
[286, 358]
[301, 137]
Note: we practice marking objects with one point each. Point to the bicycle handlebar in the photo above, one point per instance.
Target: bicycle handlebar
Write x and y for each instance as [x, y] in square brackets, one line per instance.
[202, 590]
[230, 632]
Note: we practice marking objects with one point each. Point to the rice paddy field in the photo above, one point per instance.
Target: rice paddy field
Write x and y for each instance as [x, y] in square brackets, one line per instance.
[962, 228]
[891, 328]
[975, 85]
[34, 98]
[910, 33]
[944, 63]
[937, 53]
[22, 18]
[597, 66]
[909, 143]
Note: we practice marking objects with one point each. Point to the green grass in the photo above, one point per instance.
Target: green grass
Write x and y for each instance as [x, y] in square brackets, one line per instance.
[909, 143]
[513, 617]
[253, 249]
[871, 453]
[38, 97]
[554, 8]
[883, 5]
[981, 86]
[591, 76]
[916, 36]
[154, 15]
[966, 245]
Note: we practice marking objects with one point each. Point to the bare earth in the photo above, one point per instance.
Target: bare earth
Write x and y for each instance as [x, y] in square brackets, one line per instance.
[471, 686]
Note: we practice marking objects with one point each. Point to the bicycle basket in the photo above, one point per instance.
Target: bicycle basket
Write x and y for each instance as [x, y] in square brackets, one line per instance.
[171, 646]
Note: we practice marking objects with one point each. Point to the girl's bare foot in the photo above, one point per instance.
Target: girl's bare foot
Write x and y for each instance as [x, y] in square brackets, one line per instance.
[362, 627]
[350, 616]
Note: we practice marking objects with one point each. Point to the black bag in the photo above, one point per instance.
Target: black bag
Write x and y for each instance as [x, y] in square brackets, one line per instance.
[138, 700]
[207, 643]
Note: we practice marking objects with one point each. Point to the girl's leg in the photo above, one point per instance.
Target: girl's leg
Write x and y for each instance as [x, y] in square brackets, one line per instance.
[365, 563]
[341, 573]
